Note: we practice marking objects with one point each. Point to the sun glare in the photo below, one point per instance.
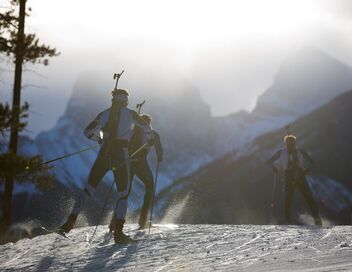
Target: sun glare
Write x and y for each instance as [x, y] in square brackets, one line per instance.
[188, 24]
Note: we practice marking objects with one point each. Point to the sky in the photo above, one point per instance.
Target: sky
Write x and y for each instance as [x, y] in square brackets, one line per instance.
[231, 50]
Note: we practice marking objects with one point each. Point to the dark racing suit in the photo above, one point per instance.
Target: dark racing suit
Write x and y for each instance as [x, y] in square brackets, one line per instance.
[141, 168]
[295, 178]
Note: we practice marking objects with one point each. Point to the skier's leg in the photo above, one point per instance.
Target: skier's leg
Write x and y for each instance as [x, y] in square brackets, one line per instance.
[99, 169]
[288, 200]
[304, 189]
[113, 217]
[144, 173]
[112, 222]
[123, 184]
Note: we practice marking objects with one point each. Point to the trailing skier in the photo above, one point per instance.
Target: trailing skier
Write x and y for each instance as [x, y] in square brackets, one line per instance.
[141, 169]
[291, 160]
[116, 124]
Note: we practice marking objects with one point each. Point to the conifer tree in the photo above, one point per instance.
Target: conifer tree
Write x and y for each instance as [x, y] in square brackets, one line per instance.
[21, 48]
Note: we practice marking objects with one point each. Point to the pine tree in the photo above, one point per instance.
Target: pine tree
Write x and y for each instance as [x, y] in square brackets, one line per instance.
[19, 167]
[22, 48]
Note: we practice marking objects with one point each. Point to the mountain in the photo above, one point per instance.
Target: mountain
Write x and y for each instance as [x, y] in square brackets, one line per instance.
[181, 101]
[186, 248]
[169, 112]
[234, 190]
[182, 119]
[191, 136]
[306, 80]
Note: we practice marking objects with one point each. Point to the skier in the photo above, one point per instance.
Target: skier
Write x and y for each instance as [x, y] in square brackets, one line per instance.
[292, 159]
[141, 168]
[115, 124]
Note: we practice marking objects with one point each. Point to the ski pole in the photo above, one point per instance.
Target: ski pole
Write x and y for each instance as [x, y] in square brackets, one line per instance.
[102, 211]
[112, 185]
[273, 192]
[70, 154]
[151, 211]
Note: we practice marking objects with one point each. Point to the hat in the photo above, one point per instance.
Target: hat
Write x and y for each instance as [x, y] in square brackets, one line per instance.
[120, 95]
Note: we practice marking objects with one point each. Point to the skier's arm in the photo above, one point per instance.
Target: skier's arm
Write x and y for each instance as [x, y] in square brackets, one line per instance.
[273, 159]
[92, 131]
[158, 147]
[307, 158]
[138, 121]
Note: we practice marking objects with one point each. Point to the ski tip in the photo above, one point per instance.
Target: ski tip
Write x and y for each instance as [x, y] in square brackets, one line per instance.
[129, 242]
[63, 234]
[57, 231]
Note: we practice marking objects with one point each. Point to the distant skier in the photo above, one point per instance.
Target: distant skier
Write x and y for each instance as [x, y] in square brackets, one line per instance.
[141, 168]
[116, 123]
[291, 160]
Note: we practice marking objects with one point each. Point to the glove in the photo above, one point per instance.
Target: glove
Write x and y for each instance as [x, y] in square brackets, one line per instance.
[92, 134]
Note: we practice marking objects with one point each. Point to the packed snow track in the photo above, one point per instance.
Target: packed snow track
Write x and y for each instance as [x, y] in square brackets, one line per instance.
[187, 248]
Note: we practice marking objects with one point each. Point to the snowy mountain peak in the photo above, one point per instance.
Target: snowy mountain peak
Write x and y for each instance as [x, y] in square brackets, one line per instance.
[306, 80]
[91, 95]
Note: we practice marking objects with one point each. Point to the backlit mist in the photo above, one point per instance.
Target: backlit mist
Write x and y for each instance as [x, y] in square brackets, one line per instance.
[230, 50]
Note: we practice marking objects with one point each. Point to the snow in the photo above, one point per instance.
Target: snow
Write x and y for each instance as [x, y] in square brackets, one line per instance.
[238, 132]
[187, 247]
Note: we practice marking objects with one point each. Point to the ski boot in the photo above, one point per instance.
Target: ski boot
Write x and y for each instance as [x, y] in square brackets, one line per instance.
[119, 236]
[317, 221]
[142, 222]
[112, 223]
[69, 224]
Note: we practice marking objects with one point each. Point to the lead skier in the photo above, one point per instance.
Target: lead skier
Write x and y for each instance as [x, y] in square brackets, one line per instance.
[116, 124]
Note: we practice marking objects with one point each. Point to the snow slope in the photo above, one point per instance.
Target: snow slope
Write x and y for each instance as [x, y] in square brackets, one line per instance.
[188, 248]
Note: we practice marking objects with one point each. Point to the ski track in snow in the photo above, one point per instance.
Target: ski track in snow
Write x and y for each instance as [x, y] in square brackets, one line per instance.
[186, 248]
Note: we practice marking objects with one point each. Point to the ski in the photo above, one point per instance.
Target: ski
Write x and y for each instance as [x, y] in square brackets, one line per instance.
[57, 231]
[129, 242]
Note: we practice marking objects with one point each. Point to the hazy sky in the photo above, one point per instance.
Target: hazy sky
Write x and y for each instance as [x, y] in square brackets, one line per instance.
[230, 49]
